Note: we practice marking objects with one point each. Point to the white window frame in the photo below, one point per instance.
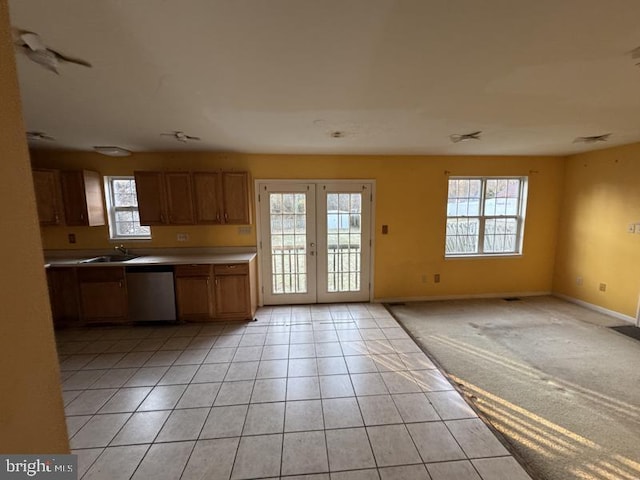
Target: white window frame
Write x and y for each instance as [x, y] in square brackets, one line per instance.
[112, 209]
[519, 217]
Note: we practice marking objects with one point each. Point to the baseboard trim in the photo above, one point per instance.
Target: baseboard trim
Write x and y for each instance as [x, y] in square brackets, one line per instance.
[459, 297]
[596, 308]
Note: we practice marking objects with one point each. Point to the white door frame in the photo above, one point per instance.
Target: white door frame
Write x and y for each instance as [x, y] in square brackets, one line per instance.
[317, 182]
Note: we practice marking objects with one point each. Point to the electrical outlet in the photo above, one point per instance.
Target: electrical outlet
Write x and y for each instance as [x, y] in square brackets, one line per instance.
[72, 238]
[385, 229]
[182, 237]
[632, 228]
[638, 228]
[436, 278]
[579, 281]
[602, 287]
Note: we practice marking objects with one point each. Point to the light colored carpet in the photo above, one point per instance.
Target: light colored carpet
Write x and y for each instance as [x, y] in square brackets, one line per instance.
[560, 386]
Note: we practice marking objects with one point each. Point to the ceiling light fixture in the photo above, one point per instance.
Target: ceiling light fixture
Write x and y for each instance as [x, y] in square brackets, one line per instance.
[112, 151]
[32, 135]
[593, 138]
[465, 137]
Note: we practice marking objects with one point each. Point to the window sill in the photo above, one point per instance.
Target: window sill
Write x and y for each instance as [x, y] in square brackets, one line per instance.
[483, 255]
[129, 239]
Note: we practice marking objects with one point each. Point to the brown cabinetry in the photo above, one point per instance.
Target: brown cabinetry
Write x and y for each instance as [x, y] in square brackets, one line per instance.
[235, 194]
[232, 291]
[194, 295]
[102, 294]
[63, 294]
[222, 197]
[152, 198]
[180, 198]
[82, 198]
[48, 196]
[165, 198]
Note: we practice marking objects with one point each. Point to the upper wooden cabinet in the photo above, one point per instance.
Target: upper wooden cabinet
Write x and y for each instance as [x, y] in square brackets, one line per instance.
[183, 198]
[207, 187]
[165, 198]
[222, 197]
[235, 194]
[152, 198]
[82, 197]
[180, 198]
[48, 196]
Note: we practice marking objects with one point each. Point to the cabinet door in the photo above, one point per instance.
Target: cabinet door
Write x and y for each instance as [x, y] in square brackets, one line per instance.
[103, 294]
[207, 189]
[235, 188]
[63, 295]
[48, 196]
[152, 203]
[193, 295]
[83, 199]
[180, 198]
[232, 291]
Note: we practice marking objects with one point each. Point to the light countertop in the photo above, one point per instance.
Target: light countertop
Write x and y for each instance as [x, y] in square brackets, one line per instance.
[189, 259]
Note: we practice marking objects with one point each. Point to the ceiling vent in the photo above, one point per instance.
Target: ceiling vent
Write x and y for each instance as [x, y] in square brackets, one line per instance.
[592, 139]
[465, 137]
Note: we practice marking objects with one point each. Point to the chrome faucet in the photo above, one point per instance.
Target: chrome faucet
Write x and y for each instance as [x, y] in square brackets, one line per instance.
[120, 248]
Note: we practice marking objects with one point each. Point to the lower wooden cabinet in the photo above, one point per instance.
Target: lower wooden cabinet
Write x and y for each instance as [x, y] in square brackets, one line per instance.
[216, 292]
[102, 292]
[232, 287]
[193, 292]
[63, 294]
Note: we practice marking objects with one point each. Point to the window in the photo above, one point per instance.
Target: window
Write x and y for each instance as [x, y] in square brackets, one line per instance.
[122, 205]
[485, 216]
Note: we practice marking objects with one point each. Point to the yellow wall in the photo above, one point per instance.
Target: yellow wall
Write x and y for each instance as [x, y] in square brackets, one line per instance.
[411, 199]
[31, 413]
[601, 198]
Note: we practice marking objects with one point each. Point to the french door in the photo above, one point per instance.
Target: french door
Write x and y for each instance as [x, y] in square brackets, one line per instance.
[314, 241]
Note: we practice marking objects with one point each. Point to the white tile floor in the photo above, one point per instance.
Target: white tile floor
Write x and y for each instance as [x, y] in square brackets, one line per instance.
[336, 391]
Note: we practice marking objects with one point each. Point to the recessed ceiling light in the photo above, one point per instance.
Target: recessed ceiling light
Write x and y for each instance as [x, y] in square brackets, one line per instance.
[112, 151]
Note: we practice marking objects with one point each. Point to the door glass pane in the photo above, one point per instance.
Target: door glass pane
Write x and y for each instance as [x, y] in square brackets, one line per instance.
[287, 213]
[344, 241]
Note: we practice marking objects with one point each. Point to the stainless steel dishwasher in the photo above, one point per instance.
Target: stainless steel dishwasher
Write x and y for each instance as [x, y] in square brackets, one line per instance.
[151, 292]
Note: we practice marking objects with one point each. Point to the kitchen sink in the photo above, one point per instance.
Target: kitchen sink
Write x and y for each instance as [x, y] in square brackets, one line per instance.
[110, 259]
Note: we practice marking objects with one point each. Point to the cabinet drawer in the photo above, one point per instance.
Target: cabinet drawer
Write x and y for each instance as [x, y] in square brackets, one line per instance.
[192, 270]
[231, 269]
[100, 274]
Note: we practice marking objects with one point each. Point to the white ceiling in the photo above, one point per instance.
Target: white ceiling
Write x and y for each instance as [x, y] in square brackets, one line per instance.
[278, 76]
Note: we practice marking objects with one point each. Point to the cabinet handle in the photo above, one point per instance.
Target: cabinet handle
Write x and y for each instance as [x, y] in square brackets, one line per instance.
[207, 280]
[217, 282]
[232, 266]
[56, 218]
[226, 217]
[82, 216]
[162, 217]
[218, 217]
[120, 283]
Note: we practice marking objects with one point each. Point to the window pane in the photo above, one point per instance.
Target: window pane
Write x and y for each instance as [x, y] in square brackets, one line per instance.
[464, 197]
[500, 235]
[494, 203]
[124, 218]
[462, 235]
